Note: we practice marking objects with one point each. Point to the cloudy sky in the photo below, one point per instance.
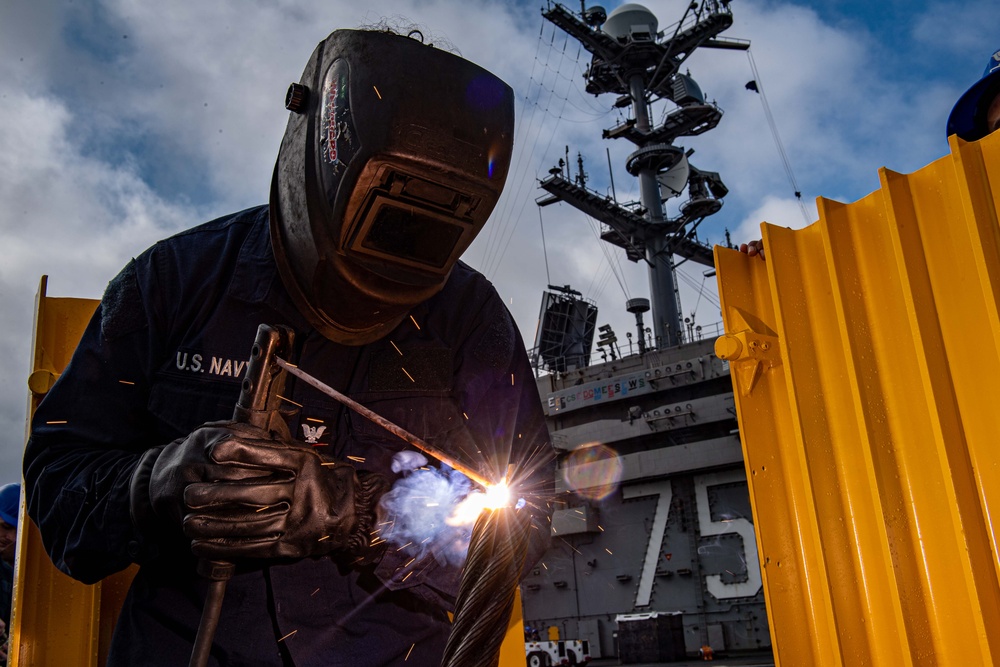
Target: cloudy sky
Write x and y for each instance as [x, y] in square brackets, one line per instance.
[122, 122]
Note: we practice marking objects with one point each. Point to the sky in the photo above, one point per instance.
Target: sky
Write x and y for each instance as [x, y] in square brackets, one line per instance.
[123, 122]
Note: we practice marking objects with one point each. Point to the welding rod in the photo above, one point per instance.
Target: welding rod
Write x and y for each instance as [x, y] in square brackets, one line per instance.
[385, 423]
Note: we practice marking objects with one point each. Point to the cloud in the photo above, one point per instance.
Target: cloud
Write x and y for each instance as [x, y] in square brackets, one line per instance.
[122, 122]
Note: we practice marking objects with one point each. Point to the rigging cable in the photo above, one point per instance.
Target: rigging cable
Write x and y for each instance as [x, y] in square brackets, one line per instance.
[504, 215]
[545, 252]
[777, 139]
[517, 215]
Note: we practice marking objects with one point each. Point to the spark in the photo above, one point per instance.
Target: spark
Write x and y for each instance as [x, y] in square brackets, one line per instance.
[433, 504]
[320, 444]
[265, 507]
[601, 527]
[408, 375]
[358, 459]
[609, 551]
[465, 415]
[314, 592]
[409, 652]
[329, 463]
[512, 379]
[57, 422]
[325, 537]
[289, 400]
[404, 546]
[126, 382]
[313, 419]
[397, 348]
[288, 635]
[409, 562]
[377, 540]
[377, 93]
[415, 322]
[545, 566]
[407, 576]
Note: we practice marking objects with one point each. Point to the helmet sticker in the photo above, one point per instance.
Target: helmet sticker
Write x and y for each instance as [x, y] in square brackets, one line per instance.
[334, 127]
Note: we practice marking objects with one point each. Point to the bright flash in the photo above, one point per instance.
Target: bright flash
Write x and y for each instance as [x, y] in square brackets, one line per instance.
[467, 511]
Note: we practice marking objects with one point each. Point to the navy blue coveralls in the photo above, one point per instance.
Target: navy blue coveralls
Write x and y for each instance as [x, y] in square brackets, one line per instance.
[166, 351]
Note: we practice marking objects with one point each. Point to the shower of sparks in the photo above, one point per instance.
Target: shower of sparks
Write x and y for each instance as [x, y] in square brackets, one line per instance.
[356, 459]
[284, 398]
[397, 348]
[384, 423]
[414, 320]
[288, 635]
[408, 374]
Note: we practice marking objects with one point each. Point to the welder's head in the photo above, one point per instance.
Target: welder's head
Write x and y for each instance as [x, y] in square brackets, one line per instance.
[394, 156]
[977, 112]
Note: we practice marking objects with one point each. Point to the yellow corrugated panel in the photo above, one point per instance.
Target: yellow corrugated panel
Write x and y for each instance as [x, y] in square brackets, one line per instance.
[865, 354]
[55, 620]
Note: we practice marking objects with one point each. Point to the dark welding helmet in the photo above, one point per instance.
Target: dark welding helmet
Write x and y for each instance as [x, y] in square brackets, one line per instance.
[394, 156]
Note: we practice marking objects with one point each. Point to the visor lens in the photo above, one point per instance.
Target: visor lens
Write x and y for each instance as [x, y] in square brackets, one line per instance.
[412, 236]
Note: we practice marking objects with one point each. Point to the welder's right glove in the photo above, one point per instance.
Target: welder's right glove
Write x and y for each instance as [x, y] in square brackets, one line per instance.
[237, 493]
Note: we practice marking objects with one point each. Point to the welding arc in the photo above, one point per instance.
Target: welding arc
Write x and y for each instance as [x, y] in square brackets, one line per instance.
[493, 566]
[384, 423]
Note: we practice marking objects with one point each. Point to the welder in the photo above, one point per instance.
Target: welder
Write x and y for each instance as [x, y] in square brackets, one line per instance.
[393, 158]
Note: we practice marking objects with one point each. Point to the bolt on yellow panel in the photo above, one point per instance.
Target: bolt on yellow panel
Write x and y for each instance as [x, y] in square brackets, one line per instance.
[870, 437]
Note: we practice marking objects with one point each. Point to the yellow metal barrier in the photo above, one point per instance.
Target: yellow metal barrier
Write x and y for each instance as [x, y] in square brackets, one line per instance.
[865, 356]
[55, 620]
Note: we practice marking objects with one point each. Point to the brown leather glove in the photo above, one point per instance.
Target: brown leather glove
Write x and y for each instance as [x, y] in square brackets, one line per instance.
[237, 493]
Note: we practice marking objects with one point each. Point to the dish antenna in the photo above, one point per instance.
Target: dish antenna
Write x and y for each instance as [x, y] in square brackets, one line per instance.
[673, 180]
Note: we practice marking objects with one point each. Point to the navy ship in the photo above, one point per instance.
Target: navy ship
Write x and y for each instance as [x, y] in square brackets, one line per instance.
[654, 555]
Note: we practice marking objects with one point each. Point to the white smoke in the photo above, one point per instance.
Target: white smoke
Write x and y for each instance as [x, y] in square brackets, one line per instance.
[423, 510]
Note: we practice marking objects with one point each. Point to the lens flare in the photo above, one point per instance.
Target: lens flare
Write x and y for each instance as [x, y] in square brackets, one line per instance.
[593, 471]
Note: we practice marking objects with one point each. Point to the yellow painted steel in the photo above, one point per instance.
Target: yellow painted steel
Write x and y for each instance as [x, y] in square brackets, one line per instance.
[865, 356]
[56, 621]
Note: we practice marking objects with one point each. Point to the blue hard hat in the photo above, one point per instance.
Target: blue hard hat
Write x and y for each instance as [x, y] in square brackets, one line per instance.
[968, 117]
[10, 503]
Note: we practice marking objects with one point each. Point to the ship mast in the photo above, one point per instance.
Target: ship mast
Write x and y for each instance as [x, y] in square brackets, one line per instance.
[641, 65]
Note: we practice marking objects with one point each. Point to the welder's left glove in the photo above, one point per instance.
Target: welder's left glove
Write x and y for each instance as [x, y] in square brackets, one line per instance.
[300, 505]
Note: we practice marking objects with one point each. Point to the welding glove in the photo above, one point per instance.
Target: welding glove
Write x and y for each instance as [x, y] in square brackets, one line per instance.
[237, 493]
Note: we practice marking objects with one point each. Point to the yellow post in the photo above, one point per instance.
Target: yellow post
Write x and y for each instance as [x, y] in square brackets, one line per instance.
[57, 621]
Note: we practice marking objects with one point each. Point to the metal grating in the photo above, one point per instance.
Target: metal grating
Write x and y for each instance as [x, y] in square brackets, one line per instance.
[865, 355]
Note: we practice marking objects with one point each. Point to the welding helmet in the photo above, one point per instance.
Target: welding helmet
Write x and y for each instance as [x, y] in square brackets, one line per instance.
[968, 117]
[10, 503]
[394, 157]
